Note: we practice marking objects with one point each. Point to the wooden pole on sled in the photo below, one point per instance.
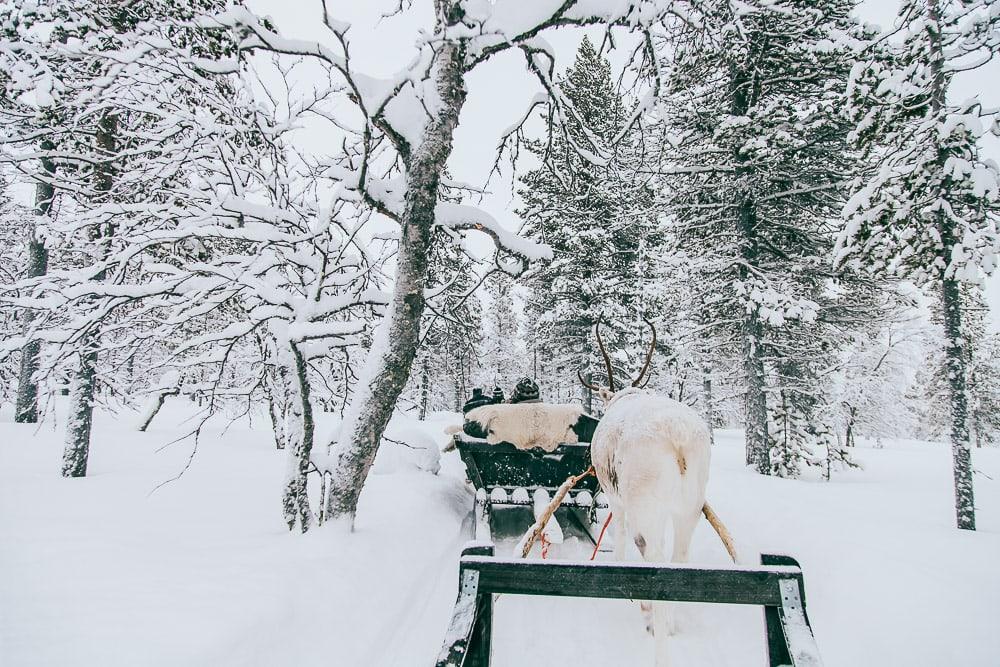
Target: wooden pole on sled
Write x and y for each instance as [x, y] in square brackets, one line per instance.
[536, 530]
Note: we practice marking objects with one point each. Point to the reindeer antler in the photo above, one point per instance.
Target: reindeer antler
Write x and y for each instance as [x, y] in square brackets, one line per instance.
[607, 362]
[649, 355]
[604, 353]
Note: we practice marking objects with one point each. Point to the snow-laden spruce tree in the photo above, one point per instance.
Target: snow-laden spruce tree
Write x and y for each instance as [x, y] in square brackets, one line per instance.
[929, 209]
[598, 217]
[397, 135]
[756, 183]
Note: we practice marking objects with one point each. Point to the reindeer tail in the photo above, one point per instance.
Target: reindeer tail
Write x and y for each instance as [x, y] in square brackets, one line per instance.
[724, 535]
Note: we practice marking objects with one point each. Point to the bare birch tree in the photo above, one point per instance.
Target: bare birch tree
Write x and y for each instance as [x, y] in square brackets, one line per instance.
[406, 130]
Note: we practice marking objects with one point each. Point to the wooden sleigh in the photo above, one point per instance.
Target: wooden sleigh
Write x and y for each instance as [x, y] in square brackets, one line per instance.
[506, 477]
[498, 470]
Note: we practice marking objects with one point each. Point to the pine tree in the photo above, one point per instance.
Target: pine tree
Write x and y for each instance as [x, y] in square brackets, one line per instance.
[754, 99]
[928, 211]
[597, 215]
[448, 357]
[503, 354]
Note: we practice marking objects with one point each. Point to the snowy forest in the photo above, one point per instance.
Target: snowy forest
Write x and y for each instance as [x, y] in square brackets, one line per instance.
[248, 281]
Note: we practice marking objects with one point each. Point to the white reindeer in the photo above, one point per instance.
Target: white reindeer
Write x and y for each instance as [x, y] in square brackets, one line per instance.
[651, 455]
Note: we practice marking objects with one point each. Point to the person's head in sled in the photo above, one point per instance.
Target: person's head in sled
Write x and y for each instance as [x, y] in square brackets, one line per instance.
[526, 391]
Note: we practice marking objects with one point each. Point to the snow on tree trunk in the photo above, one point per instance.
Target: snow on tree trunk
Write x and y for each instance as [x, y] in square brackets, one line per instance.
[26, 410]
[276, 412]
[706, 389]
[389, 360]
[277, 404]
[756, 400]
[81, 413]
[956, 365]
[757, 453]
[424, 391]
[951, 302]
[155, 404]
[299, 435]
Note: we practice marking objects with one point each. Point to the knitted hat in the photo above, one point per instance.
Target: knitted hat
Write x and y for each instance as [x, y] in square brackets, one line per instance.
[526, 391]
[498, 396]
[477, 400]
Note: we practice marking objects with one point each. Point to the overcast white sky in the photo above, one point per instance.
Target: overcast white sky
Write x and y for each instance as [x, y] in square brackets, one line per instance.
[500, 89]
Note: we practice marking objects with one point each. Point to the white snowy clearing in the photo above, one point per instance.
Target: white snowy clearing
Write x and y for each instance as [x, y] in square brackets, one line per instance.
[99, 571]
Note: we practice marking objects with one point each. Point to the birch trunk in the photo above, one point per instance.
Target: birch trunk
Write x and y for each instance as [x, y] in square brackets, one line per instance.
[299, 435]
[26, 408]
[277, 404]
[389, 362]
[424, 391]
[81, 414]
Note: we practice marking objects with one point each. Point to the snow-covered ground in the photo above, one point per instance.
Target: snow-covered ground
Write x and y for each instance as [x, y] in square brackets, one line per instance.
[100, 571]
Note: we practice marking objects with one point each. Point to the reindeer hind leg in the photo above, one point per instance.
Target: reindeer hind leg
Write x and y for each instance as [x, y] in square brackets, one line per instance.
[684, 525]
[648, 525]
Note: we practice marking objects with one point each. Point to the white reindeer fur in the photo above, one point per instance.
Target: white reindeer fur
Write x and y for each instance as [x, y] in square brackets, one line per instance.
[651, 455]
[528, 425]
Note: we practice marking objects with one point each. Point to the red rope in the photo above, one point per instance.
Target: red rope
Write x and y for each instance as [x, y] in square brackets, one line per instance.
[601, 536]
[545, 546]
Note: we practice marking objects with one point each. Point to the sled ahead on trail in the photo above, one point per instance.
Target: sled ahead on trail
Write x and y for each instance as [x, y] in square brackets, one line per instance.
[510, 480]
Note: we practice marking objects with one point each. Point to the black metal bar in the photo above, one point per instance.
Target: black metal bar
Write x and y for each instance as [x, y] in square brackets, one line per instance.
[788, 561]
[480, 646]
[463, 621]
[630, 581]
[777, 643]
[799, 639]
